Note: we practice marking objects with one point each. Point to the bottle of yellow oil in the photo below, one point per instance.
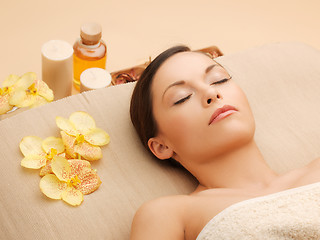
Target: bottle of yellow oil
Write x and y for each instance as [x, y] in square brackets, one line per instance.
[89, 51]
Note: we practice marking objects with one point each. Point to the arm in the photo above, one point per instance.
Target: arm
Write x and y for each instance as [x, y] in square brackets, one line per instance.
[157, 220]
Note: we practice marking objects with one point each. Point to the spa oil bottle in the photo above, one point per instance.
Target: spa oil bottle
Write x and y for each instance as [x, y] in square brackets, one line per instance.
[89, 51]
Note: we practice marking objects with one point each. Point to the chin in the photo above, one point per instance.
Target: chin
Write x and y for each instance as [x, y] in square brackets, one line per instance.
[242, 134]
[233, 138]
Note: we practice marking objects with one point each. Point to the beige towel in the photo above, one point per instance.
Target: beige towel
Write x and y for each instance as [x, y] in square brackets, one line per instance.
[291, 214]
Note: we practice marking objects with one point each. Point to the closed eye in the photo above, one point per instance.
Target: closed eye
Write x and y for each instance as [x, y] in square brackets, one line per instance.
[221, 81]
[182, 100]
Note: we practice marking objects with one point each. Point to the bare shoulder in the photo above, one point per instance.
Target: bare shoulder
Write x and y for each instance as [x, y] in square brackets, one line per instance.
[308, 174]
[161, 218]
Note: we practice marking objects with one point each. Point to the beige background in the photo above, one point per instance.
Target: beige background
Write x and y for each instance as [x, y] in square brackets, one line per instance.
[133, 30]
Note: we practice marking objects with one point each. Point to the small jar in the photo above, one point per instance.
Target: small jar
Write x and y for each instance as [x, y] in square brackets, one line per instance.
[89, 51]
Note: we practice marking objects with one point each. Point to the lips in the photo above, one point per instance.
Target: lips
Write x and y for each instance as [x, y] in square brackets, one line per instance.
[221, 113]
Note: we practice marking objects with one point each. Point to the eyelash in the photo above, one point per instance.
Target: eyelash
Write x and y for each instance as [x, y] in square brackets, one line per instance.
[182, 100]
[221, 81]
[188, 97]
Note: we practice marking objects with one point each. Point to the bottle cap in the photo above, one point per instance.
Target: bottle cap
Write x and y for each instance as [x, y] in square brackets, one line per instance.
[90, 33]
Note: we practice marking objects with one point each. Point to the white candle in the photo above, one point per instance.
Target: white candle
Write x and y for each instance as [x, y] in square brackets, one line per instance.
[57, 67]
[94, 78]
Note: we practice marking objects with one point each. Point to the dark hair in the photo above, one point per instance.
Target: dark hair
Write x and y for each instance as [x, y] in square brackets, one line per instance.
[141, 101]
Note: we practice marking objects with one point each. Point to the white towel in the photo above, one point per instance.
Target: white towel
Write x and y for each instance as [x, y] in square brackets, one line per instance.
[290, 214]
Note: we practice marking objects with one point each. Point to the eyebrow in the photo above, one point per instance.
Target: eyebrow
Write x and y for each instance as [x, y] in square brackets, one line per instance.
[182, 82]
[208, 69]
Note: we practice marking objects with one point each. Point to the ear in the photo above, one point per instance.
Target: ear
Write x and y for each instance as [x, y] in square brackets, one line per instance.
[159, 149]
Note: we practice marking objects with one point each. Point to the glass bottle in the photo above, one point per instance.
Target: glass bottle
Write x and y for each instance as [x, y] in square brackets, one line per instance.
[89, 51]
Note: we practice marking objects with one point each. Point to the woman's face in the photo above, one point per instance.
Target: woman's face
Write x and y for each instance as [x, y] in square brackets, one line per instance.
[199, 110]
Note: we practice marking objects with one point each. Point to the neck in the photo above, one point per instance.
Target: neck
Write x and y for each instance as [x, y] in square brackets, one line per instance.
[243, 167]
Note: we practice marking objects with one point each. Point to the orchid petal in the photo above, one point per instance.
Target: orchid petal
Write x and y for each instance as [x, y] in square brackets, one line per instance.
[29, 100]
[97, 137]
[72, 196]
[82, 121]
[4, 104]
[88, 151]
[77, 166]
[10, 80]
[26, 80]
[33, 161]
[17, 96]
[31, 145]
[44, 91]
[52, 187]
[39, 101]
[66, 125]
[21, 99]
[61, 168]
[52, 142]
[69, 142]
[89, 181]
[46, 169]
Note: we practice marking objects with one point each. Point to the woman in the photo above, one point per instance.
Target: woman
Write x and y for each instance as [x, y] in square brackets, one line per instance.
[186, 107]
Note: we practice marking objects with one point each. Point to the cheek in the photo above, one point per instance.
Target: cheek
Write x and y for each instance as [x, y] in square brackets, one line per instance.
[237, 97]
[180, 126]
[243, 126]
[245, 107]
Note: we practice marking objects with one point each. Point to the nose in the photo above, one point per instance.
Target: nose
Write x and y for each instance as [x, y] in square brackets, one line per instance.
[210, 96]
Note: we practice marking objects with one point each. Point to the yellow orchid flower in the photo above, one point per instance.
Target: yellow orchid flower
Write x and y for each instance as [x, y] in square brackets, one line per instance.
[8, 86]
[81, 137]
[71, 180]
[24, 91]
[31, 92]
[38, 153]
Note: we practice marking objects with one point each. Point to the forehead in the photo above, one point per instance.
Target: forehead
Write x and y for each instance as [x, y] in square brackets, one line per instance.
[184, 63]
[181, 66]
